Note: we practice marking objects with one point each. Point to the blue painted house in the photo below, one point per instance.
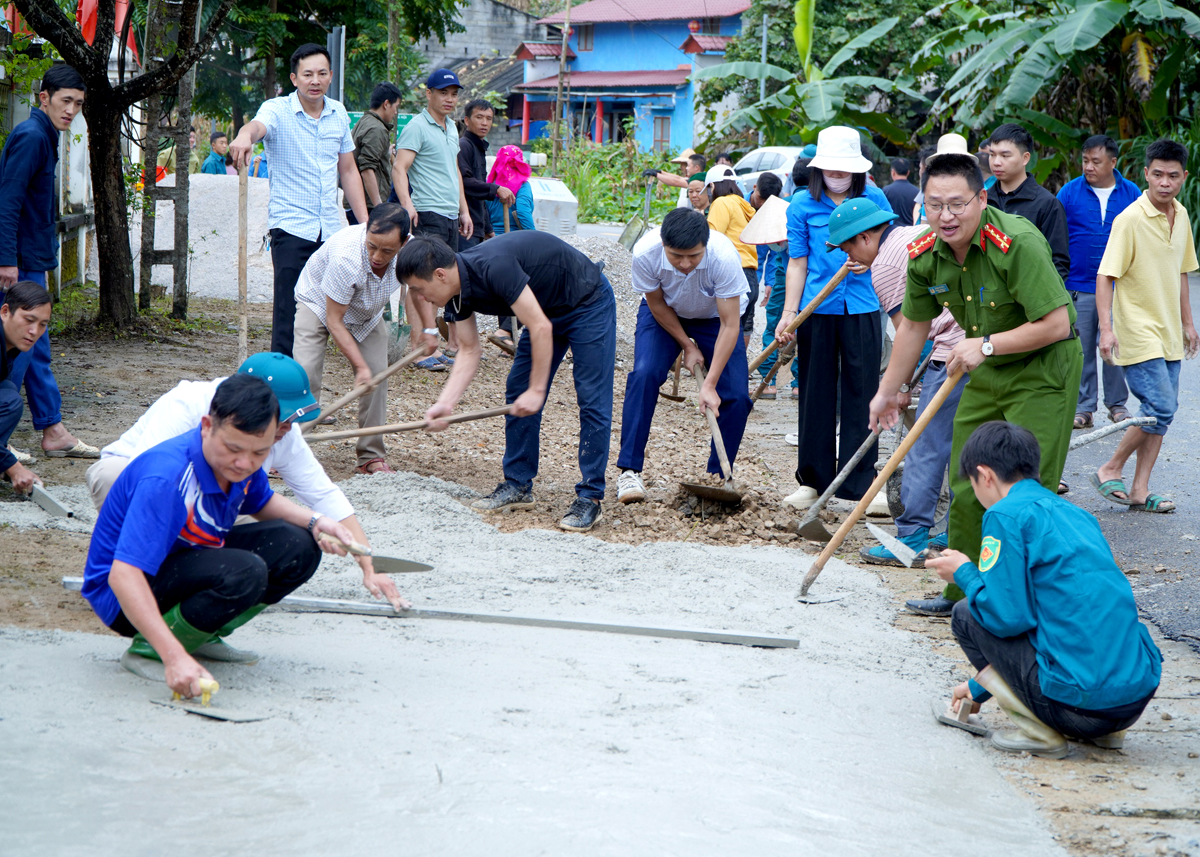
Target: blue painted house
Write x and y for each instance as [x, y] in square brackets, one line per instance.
[627, 60]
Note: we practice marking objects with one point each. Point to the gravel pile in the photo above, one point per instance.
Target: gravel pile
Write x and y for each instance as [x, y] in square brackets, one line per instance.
[617, 261]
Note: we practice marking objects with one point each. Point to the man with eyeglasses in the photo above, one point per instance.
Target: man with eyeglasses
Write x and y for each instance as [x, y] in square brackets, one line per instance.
[181, 410]
[996, 275]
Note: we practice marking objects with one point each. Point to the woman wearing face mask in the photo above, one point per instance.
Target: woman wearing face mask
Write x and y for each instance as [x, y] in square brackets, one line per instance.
[839, 346]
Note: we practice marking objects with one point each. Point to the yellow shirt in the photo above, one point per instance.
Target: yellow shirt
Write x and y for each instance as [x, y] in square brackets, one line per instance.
[1146, 258]
[729, 215]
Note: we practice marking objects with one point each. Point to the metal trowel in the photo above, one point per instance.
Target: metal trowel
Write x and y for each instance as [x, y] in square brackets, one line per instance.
[383, 564]
[898, 549]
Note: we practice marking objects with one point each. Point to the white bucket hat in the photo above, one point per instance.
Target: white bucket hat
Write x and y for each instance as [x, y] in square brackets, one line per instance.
[840, 148]
[719, 174]
[768, 225]
[951, 144]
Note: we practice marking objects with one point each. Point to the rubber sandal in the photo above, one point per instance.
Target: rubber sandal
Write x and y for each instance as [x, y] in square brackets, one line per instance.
[1120, 412]
[79, 450]
[1107, 489]
[768, 396]
[796, 393]
[21, 457]
[1063, 487]
[431, 364]
[504, 343]
[444, 359]
[1082, 421]
[960, 719]
[1154, 503]
[446, 352]
[365, 468]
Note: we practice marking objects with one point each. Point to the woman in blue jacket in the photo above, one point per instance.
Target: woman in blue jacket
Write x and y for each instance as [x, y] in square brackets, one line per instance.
[839, 346]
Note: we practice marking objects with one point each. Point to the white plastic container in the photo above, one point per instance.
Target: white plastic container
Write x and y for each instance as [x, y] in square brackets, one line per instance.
[555, 208]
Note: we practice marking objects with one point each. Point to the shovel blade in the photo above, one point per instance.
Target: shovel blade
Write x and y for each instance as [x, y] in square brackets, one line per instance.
[814, 531]
[669, 396]
[722, 494]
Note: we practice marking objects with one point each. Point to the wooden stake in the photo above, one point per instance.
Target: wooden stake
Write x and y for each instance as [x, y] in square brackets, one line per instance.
[880, 480]
[833, 283]
[243, 228]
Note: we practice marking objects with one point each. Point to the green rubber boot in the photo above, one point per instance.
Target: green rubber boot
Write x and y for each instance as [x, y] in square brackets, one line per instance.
[141, 659]
[216, 649]
[1034, 737]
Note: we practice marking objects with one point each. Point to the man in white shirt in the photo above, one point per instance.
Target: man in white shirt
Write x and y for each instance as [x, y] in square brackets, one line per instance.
[180, 411]
[343, 291]
[695, 293]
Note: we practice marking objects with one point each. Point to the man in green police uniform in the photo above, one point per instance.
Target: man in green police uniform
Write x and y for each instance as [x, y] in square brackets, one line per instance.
[995, 273]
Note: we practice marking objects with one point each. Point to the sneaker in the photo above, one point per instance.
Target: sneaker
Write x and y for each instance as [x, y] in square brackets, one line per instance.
[879, 508]
[505, 498]
[931, 606]
[581, 517]
[802, 499]
[791, 439]
[879, 555]
[630, 488]
[941, 541]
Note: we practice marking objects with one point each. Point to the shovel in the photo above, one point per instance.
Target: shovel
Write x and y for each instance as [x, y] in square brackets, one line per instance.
[833, 283]
[383, 564]
[415, 425]
[880, 480]
[728, 492]
[361, 390]
[674, 394]
[810, 526]
[637, 227]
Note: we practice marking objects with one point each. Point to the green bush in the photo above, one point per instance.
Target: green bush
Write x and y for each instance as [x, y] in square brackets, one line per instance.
[1132, 162]
[607, 180]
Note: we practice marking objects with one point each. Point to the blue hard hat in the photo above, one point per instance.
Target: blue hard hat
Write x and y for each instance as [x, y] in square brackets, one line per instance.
[288, 380]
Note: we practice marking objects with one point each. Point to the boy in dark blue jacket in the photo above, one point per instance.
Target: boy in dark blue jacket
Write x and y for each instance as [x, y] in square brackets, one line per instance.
[29, 238]
[1049, 619]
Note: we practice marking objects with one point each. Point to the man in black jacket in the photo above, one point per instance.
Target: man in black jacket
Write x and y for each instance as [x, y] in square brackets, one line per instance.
[1016, 192]
[472, 163]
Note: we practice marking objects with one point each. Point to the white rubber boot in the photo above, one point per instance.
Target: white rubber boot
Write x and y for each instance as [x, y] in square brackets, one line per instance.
[1034, 737]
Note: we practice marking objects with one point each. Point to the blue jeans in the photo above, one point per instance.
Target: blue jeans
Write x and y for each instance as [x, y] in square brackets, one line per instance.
[926, 462]
[45, 401]
[774, 311]
[590, 331]
[654, 352]
[1156, 383]
[11, 409]
[1116, 393]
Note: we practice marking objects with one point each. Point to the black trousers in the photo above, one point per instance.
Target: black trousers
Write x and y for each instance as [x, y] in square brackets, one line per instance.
[1015, 659]
[289, 254]
[260, 564]
[838, 354]
[748, 315]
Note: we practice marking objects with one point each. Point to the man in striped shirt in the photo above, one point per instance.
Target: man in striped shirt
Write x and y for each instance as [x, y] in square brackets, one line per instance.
[342, 293]
[869, 238]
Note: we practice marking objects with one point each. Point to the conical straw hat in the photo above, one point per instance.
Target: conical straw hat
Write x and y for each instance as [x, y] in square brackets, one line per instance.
[769, 224]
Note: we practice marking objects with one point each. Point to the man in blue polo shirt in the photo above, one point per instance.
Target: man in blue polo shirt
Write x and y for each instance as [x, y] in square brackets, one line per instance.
[166, 565]
[1092, 202]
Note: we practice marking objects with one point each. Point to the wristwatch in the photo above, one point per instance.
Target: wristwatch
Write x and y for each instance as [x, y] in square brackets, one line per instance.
[904, 388]
[431, 331]
[987, 348]
[312, 522]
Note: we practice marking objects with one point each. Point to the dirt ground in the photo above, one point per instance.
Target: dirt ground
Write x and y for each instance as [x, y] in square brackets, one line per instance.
[1145, 801]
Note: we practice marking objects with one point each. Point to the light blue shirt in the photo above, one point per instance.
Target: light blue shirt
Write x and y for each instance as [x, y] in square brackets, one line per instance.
[808, 230]
[433, 177]
[303, 153]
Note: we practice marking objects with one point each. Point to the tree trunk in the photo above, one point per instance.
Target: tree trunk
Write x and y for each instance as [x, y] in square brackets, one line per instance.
[112, 217]
[269, 82]
[393, 37]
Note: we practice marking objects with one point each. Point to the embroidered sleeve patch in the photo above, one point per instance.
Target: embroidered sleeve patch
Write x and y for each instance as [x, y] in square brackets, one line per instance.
[989, 552]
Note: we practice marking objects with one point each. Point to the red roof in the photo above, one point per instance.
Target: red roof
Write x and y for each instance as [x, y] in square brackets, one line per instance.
[540, 50]
[672, 77]
[606, 11]
[700, 44]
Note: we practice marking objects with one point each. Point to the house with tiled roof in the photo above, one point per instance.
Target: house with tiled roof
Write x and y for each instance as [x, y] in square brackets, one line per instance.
[626, 61]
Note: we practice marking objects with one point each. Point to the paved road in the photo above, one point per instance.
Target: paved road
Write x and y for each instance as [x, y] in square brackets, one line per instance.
[1171, 598]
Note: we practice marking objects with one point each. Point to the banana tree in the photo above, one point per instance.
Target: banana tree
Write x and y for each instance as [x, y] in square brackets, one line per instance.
[1066, 70]
[816, 98]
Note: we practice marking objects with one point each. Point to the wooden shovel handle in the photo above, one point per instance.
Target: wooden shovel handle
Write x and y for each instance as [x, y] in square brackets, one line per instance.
[833, 283]
[888, 469]
[785, 356]
[417, 353]
[718, 441]
[411, 426]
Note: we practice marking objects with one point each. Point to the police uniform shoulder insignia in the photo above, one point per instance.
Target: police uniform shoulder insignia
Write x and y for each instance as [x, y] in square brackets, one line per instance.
[922, 244]
[997, 237]
[989, 552]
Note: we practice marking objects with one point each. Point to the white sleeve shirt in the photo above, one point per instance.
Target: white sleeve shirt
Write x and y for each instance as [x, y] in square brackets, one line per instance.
[180, 410]
[694, 295]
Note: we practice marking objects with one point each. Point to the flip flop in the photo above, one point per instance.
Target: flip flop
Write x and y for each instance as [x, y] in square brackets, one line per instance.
[768, 396]
[1107, 489]
[365, 468]
[504, 343]
[1120, 412]
[944, 713]
[79, 450]
[1154, 503]
[1083, 421]
[431, 364]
